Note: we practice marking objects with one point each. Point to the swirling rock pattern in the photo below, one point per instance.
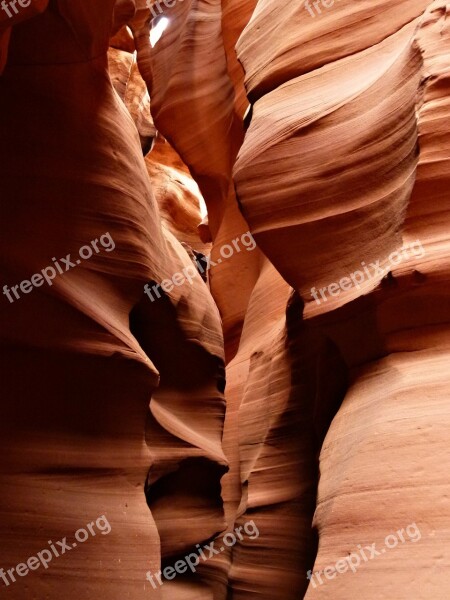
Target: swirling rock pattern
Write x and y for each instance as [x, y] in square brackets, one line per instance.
[385, 327]
[263, 390]
[82, 430]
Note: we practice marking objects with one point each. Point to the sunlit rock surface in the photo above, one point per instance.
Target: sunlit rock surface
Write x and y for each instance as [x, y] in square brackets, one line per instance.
[300, 384]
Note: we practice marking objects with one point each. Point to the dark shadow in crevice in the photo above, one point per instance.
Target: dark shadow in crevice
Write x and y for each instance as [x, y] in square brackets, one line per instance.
[319, 378]
[181, 487]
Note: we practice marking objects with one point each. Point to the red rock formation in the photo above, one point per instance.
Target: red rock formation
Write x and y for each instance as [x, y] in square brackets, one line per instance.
[73, 428]
[382, 328]
[321, 128]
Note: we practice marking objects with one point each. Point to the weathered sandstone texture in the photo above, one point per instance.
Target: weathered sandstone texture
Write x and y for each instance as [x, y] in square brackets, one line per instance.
[265, 338]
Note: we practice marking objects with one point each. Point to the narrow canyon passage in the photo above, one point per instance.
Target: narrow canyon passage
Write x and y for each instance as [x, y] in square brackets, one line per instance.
[225, 299]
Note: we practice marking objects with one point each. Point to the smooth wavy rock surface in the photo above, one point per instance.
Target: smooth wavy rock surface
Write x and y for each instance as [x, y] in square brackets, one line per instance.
[321, 158]
[80, 428]
[260, 333]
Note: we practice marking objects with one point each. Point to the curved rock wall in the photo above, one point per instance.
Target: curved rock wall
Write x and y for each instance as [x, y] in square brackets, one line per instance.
[299, 386]
[81, 423]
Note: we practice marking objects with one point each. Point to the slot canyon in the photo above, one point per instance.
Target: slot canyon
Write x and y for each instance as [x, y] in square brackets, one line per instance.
[225, 253]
